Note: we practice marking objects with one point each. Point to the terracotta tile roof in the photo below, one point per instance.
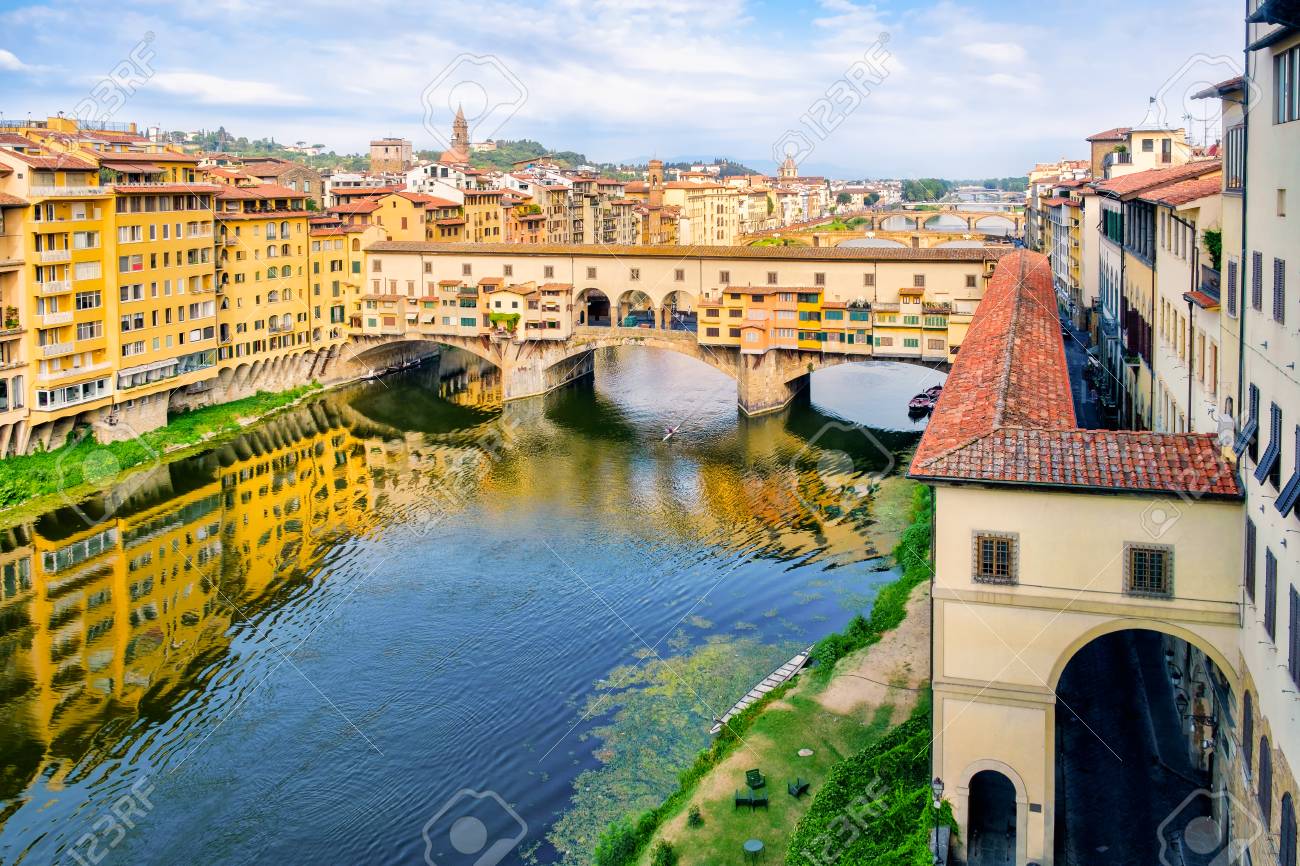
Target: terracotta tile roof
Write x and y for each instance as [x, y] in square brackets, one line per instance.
[259, 190]
[1006, 415]
[1119, 133]
[49, 160]
[149, 188]
[7, 200]
[853, 254]
[1185, 191]
[1221, 89]
[364, 206]
[326, 231]
[1132, 185]
[364, 190]
[1202, 299]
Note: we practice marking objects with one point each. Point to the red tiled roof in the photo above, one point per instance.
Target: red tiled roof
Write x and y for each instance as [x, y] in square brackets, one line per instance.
[7, 200]
[144, 188]
[1185, 191]
[1119, 133]
[52, 160]
[1222, 88]
[325, 231]
[259, 190]
[1130, 185]
[1007, 417]
[1202, 300]
[365, 205]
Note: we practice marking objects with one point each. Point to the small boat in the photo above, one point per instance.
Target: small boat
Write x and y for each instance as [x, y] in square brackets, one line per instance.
[934, 392]
[920, 404]
[670, 432]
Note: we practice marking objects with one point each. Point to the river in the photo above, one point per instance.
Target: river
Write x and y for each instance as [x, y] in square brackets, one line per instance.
[341, 635]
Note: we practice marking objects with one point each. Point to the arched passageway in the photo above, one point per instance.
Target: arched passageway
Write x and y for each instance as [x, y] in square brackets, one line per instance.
[1140, 711]
[592, 308]
[992, 826]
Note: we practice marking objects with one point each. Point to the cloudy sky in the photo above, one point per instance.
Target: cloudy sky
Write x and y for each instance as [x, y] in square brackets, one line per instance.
[853, 89]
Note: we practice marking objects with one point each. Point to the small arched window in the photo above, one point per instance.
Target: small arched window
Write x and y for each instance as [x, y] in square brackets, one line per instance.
[272, 296]
[1265, 791]
[1247, 732]
[356, 245]
[284, 250]
[284, 229]
[1287, 848]
[272, 273]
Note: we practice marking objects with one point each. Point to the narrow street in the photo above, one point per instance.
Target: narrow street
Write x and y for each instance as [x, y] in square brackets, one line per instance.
[1122, 765]
[1087, 411]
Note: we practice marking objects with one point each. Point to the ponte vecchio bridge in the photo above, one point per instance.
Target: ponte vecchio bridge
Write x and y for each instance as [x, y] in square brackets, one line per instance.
[765, 316]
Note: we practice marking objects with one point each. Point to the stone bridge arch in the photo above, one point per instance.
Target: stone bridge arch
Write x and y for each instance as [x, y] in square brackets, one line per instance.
[765, 382]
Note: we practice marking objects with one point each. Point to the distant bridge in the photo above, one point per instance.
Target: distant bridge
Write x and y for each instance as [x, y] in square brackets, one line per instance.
[765, 382]
[911, 228]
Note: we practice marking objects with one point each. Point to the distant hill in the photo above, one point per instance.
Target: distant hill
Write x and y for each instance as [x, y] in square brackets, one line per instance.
[508, 153]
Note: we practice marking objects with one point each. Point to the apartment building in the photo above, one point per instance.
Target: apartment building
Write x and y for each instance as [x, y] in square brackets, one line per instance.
[1127, 271]
[1268, 417]
[709, 212]
[1186, 362]
[262, 272]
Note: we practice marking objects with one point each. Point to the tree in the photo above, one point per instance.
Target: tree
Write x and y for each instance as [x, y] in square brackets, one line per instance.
[843, 198]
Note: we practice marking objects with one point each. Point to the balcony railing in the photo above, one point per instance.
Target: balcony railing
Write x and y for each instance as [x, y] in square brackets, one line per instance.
[65, 191]
[48, 256]
[74, 371]
[49, 320]
[53, 350]
[53, 287]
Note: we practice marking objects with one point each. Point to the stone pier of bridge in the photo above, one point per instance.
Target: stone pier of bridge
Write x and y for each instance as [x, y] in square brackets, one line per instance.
[765, 382]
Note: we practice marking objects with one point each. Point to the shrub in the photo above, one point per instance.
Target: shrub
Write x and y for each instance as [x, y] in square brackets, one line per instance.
[663, 855]
[693, 817]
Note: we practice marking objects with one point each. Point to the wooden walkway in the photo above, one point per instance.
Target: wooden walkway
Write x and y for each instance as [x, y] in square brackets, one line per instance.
[771, 681]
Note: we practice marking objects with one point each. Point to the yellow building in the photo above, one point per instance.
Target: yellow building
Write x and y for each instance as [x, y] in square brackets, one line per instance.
[263, 263]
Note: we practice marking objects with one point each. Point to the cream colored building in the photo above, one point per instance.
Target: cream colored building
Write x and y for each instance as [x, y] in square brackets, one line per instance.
[709, 212]
[1045, 541]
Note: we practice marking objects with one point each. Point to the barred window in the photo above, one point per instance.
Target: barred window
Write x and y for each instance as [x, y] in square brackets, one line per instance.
[995, 557]
[1232, 287]
[1251, 557]
[1279, 291]
[1270, 594]
[1149, 570]
[1257, 280]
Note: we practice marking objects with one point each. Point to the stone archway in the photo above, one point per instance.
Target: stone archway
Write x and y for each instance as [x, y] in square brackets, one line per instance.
[593, 308]
[993, 809]
[677, 311]
[635, 309]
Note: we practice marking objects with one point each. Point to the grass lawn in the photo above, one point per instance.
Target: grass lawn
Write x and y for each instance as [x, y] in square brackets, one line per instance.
[836, 718]
[83, 465]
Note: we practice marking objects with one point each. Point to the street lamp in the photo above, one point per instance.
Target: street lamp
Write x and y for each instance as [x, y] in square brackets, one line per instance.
[936, 787]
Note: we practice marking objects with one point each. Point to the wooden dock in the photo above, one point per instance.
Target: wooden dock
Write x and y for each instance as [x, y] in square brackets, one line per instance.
[771, 681]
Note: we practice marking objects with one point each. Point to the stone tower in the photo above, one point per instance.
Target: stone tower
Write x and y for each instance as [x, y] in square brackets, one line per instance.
[655, 182]
[460, 131]
[789, 170]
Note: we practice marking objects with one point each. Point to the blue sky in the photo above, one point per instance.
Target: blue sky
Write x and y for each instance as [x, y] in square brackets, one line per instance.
[954, 89]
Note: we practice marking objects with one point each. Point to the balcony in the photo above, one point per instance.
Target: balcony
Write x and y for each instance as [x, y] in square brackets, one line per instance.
[54, 256]
[66, 191]
[53, 287]
[49, 320]
[1118, 157]
[59, 375]
[55, 350]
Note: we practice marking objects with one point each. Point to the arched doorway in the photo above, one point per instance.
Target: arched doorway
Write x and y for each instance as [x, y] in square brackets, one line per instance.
[636, 310]
[991, 835]
[593, 308]
[1139, 710]
[678, 312]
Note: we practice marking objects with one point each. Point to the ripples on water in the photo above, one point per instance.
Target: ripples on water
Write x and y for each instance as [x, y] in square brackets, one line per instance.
[297, 647]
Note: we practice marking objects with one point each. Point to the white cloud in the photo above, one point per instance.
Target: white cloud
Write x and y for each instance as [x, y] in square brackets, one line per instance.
[214, 90]
[995, 52]
[9, 62]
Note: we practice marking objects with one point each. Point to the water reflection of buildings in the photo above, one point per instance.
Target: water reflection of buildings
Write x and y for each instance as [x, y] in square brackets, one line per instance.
[97, 619]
